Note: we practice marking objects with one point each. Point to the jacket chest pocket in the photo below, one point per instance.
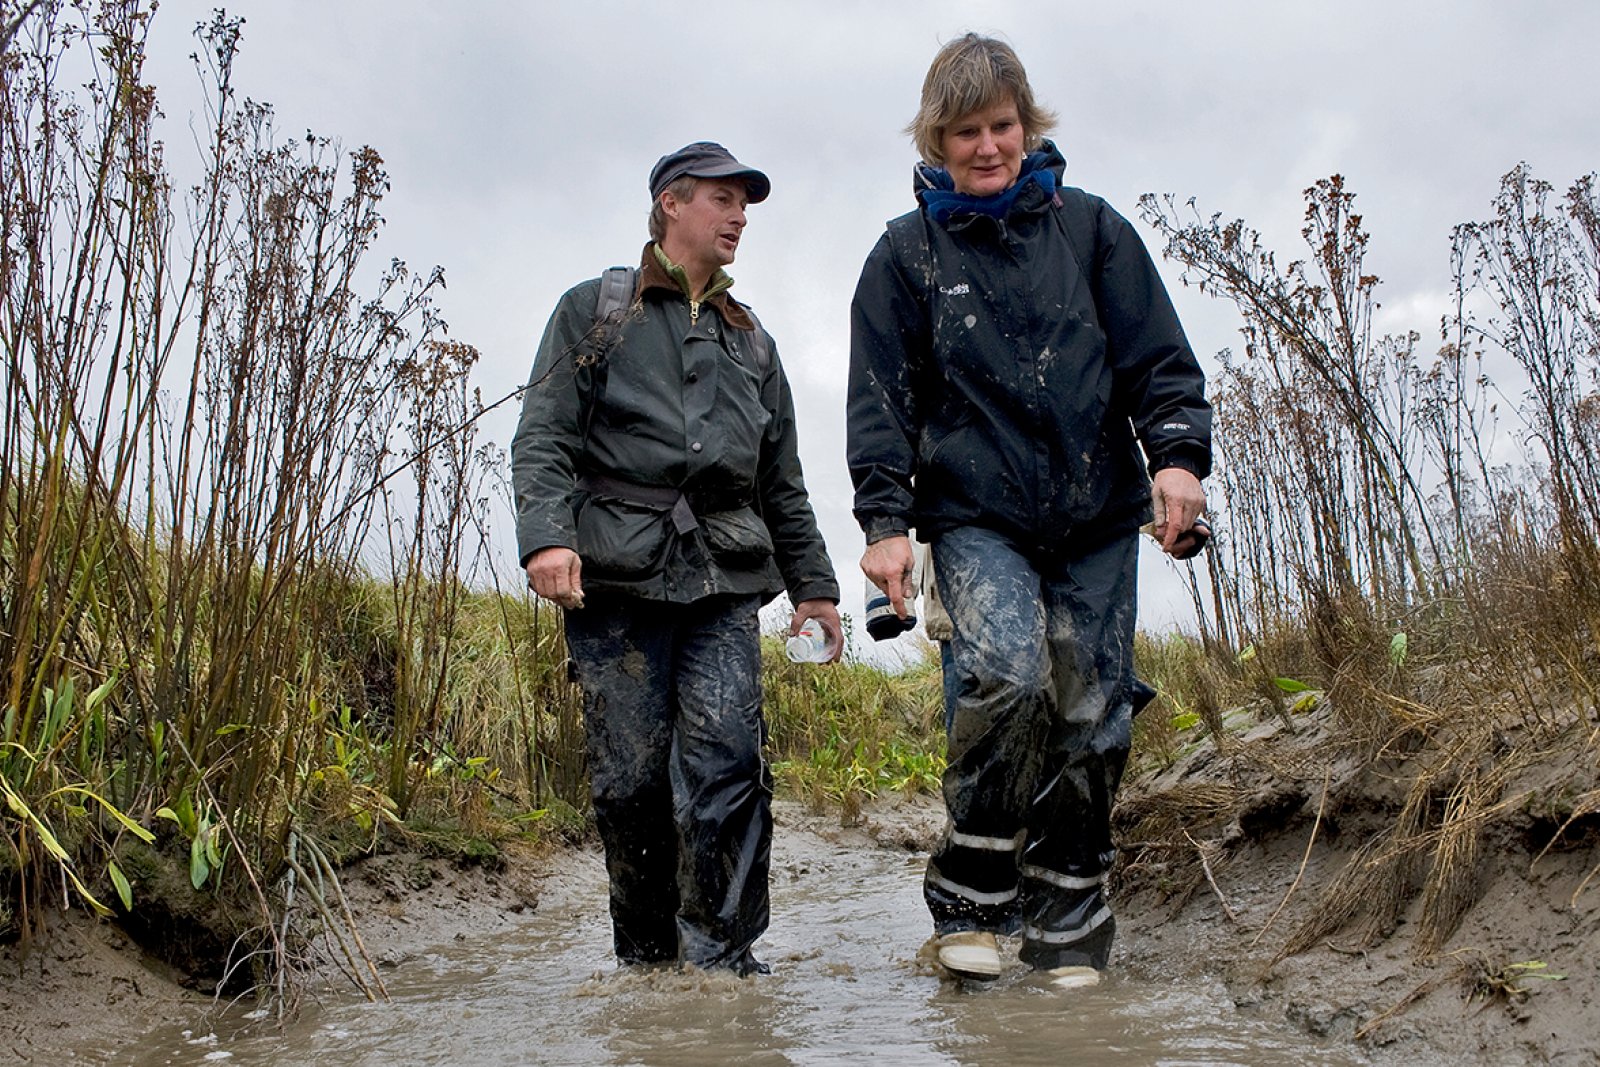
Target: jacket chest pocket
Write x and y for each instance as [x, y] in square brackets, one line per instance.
[957, 317]
[727, 400]
[736, 366]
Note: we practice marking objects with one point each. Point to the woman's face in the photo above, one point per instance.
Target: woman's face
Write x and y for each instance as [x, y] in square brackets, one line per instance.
[983, 150]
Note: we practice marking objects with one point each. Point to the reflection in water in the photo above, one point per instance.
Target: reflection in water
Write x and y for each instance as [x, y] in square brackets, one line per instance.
[848, 988]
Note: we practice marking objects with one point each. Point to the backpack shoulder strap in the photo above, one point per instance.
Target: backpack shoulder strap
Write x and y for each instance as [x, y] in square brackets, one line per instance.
[616, 291]
[758, 342]
[911, 250]
[611, 303]
[908, 240]
[1076, 214]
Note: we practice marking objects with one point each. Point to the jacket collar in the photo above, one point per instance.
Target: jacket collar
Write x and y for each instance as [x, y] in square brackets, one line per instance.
[653, 276]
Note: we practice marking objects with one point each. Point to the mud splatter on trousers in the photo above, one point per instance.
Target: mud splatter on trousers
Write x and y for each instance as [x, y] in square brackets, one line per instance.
[672, 713]
[1045, 695]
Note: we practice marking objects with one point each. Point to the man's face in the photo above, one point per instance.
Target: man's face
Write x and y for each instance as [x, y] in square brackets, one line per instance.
[704, 230]
[983, 150]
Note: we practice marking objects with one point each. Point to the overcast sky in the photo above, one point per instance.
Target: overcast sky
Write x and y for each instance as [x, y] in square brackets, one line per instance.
[518, 138]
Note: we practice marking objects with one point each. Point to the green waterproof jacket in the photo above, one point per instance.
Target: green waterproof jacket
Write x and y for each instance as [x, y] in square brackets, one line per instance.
[662, 449]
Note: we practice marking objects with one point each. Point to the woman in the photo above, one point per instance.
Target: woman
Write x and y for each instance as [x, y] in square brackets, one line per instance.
[1012, 350]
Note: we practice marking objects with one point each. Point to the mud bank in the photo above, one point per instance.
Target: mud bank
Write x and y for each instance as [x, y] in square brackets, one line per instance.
[1278, 874]
[86, 993]
[88, 996]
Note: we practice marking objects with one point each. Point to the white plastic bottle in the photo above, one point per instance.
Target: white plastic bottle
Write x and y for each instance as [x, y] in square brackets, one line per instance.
[810, 645]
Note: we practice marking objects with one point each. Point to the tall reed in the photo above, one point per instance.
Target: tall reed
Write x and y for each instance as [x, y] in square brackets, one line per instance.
[240, 491]
[1384, 548]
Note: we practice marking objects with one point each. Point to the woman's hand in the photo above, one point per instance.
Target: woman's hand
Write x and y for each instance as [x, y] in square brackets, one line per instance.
[888, 565]
[1178, 500]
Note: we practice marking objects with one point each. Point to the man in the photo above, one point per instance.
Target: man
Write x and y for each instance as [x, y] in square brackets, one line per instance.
[660, 502]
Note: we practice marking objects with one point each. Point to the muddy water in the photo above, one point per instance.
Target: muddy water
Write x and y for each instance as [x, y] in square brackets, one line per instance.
[847, 988]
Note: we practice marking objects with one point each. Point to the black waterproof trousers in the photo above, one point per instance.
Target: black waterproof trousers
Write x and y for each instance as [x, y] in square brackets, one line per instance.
[672, 710]
[1045, 699]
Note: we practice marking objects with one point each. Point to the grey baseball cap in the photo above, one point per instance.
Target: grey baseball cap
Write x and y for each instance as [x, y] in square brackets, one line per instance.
[706, 159]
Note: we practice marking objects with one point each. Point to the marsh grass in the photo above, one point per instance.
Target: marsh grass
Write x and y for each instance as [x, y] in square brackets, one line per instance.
[842, 734]
[239, 488]
[1382, 580]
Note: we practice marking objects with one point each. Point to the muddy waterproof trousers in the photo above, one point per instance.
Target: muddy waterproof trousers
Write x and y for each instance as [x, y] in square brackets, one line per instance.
[1042, 655]
[672, 714]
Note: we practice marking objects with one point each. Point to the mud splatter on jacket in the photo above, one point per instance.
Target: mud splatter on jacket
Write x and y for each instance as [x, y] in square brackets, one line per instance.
[1005, 370]
[686, 408]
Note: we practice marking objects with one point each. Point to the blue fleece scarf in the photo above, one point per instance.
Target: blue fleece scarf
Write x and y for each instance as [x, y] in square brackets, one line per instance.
[942, 200]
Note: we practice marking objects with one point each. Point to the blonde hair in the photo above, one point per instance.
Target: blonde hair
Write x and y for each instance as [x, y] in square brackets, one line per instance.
[969, 74]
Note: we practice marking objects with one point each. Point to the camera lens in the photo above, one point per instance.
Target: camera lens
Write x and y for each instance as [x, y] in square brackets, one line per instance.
[882, 623]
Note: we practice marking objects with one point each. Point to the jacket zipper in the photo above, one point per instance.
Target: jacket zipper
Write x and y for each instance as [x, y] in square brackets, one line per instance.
[694, 312]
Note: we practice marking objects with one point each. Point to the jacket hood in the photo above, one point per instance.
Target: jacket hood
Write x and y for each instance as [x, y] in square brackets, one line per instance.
[935, 190]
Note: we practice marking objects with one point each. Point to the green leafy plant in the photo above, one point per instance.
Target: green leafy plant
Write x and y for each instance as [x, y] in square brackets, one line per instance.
[1307, 695]
[202, 833]
[33, 823]
[1508, 983]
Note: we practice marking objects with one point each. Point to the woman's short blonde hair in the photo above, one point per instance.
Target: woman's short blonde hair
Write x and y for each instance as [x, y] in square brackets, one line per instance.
[971, 73]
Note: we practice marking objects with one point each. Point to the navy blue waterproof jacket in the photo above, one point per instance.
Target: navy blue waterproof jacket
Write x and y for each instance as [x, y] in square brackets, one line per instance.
[1004, 372]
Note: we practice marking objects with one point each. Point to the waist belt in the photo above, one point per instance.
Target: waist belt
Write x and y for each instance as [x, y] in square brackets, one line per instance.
[654, 496]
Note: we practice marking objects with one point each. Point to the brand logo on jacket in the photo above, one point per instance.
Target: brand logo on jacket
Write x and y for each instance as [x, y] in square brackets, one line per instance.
[959, 289]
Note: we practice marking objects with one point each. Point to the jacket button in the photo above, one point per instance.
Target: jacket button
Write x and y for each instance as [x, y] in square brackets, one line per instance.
[695, 447]
[693, 377]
